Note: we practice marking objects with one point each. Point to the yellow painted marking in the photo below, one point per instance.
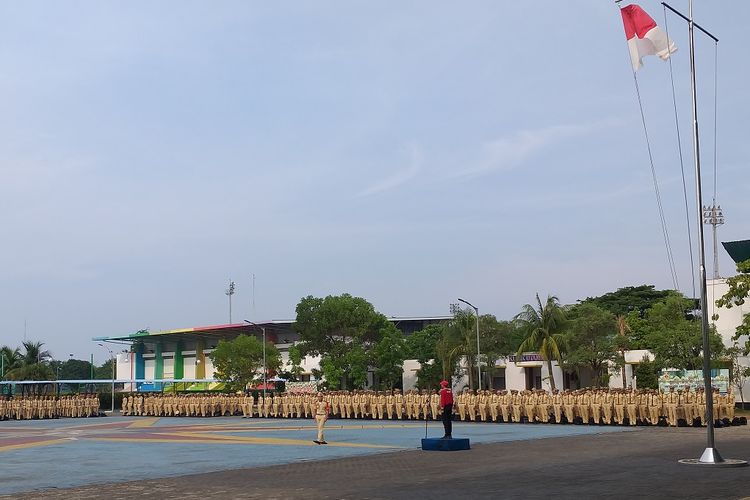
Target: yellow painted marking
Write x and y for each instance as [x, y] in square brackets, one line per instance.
[302, 427]
[257, 440]
[145, 422]
[24, 446]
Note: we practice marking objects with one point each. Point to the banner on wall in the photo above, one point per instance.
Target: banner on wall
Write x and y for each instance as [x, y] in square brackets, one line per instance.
[679, 379]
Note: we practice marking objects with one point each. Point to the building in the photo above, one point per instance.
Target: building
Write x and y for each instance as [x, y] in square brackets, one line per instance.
[182, 355]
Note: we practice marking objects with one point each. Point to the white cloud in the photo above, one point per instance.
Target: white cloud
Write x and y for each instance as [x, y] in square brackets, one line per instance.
[399, 178]
[513, 150]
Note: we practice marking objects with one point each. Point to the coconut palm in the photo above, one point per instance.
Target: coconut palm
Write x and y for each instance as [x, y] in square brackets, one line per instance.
[11, 359]
[459, 341]
[543, 326]
[33, 353]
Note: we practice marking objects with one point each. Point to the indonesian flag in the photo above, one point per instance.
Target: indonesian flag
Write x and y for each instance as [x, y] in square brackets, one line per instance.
[645, 38]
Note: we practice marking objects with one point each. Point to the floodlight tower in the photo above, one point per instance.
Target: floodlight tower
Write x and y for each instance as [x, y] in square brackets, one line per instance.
[714, 216]
[229, 292]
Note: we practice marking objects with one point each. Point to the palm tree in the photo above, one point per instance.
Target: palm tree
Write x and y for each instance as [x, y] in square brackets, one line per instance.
[459, 340]
[544, 327]
[34, 353]
[11, 359]
[623, 328]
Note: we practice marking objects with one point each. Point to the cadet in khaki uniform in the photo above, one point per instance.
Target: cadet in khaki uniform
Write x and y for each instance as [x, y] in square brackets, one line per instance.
[619, 406]
[517, 405]
[642, 400]
[584, 406]
[529, 406]
[390, 403]
[688, 405]
[472, 405]
[322, 411]
[461, 403]
[631, 402]
[671, 400]
[609, 399]
[398, 403]
[557, 405]
[731, 403]
[569, 404]
[654, 406]
[505, 405]
[482, 403]
[494, 403]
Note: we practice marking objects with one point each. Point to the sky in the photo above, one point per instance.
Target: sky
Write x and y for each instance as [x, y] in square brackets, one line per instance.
[408, 153]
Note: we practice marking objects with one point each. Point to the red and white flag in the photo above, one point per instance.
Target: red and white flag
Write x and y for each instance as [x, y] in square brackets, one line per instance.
[645, 38]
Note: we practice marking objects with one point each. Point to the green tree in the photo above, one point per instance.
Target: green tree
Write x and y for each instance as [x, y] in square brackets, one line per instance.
[630, 299]
[35, 371]
[103, 372]
[674, 336]
[12, 359]
[738, 373]
[422, 346]
[497, 339]
[591, 340]
[449, 349]
[739, 289]
[389, 355]
[342, 330]
[239, 362]
[75, 369]
[543, 328]
[33, 353]
[294, 364]
[647, 374]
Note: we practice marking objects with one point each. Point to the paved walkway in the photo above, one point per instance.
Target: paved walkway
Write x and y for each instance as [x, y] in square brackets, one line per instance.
[235, 458]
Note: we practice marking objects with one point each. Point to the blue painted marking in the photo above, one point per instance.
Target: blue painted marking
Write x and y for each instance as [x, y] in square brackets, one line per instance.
[83, 460]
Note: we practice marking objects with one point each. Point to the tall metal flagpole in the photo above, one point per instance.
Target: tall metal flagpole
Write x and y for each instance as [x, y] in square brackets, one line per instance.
[710, 455]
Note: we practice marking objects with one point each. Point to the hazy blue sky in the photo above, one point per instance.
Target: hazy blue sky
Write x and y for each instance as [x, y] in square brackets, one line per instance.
[409, 153]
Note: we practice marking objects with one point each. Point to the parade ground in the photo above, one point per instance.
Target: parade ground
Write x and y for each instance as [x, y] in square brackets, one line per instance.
[121, 457]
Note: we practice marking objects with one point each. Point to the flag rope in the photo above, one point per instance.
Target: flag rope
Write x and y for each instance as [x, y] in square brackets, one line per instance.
[682, 162]
[662, 218]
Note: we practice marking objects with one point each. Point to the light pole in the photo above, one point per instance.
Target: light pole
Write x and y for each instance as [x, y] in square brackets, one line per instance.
[229, 292]
[479, 370]
[2, 370]
[262, 329]
[112, 359]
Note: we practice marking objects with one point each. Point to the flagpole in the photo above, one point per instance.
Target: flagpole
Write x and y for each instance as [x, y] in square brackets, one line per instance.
[711, 455]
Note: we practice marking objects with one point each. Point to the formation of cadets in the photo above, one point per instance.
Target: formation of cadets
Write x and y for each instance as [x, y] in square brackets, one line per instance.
[599, 406]
[44, 407]
[583, 406]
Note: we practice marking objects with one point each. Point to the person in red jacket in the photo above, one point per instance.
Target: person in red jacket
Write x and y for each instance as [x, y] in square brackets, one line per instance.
[446, 407]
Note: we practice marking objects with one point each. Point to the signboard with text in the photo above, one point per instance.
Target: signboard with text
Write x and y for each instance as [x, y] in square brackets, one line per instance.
[679, 379]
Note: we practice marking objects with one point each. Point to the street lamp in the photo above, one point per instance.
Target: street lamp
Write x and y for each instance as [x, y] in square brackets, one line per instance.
[112, 359]
[262, 329]
[479, 370]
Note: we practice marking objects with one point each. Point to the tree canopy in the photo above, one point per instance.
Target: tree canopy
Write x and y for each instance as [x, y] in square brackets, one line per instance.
[544, 326]
[239, 362]
[343, 330]
[739, 289]
[630, 299]
[590, 337]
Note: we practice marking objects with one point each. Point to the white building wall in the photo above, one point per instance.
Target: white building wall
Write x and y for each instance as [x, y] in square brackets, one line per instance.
[409, 379]
[726, 324]
[728, 319]
[189, 367]
[209, 368]
[168, 367]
